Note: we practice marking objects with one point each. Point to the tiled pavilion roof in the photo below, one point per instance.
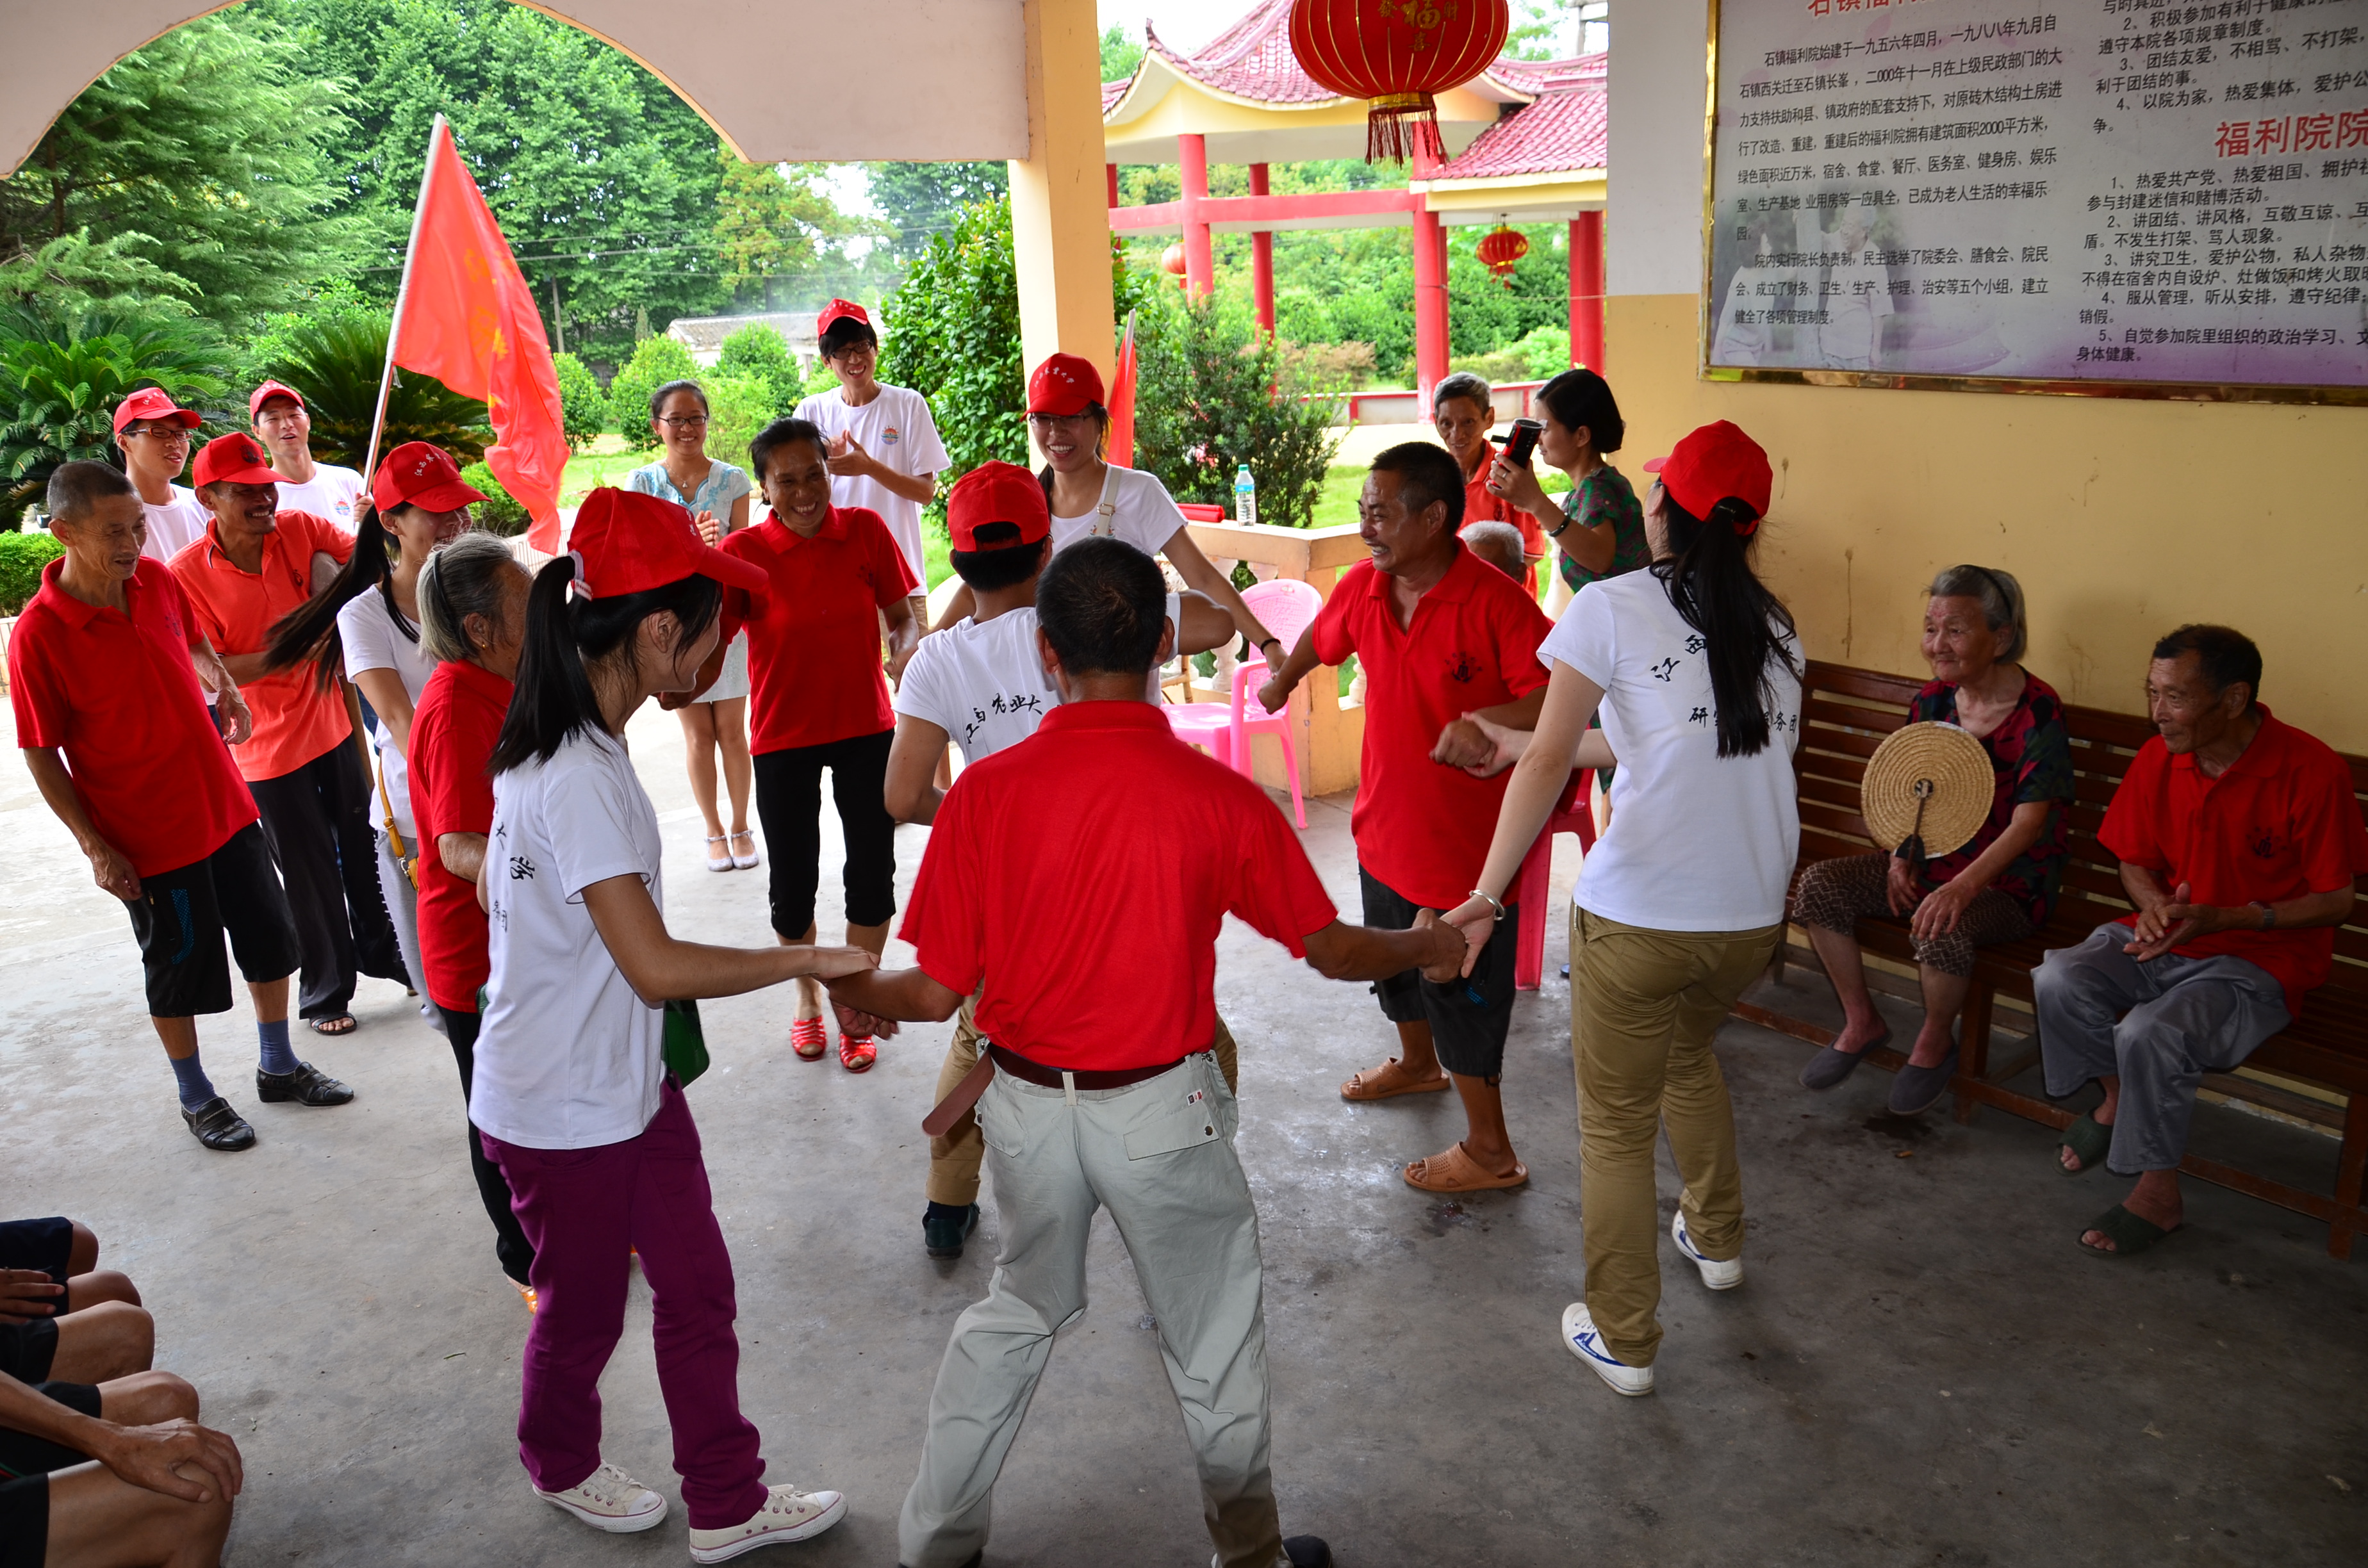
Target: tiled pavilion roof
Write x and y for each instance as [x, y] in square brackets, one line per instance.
[1564, 128]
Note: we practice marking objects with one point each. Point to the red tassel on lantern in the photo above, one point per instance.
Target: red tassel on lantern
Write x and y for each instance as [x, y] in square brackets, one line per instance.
[1501, 250]
[1397, 54]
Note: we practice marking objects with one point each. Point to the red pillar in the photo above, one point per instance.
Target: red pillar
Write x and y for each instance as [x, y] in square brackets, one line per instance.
[1262, 258]
[1586, 290]
[1199, 266]
[1112, 169]
[1429, 302]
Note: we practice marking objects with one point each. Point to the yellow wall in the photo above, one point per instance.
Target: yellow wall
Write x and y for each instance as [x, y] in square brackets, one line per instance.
[2122, 516]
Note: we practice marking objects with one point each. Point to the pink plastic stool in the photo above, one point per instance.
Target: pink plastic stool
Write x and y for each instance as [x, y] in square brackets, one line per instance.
[1284, 607]
[1534, 886]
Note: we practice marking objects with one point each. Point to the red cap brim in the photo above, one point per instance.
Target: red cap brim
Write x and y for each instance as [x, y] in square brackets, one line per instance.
[727, 569]
[449, 497]
[247, 476]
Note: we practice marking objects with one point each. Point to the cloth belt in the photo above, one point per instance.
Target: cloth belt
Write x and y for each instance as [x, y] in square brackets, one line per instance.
[941, 1121]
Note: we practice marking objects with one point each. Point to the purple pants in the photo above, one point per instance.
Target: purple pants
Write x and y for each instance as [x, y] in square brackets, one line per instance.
[584, 1208]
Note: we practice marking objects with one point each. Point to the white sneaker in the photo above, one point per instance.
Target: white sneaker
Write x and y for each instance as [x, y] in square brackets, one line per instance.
[608, 1499]
[1716, 1275]
[1579, 1337]
[787, 1515]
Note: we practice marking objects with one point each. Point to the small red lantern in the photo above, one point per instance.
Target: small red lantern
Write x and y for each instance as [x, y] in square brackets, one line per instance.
[1173, 258]
[1397, 54]
[1501, 250]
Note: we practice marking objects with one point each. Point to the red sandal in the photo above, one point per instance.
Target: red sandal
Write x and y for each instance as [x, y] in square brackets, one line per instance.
[857, 1052]
[809, 1038]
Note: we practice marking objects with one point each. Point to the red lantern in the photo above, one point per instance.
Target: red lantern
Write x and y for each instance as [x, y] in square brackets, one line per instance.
[1397, 54]
[1173, 258]
[1501, 250]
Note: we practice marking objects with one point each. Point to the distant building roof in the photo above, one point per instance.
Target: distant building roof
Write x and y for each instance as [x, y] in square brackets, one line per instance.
[705, 335]
[1563, 128]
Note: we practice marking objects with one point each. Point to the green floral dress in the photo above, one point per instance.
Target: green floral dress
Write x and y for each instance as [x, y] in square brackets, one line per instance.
[1602, 499]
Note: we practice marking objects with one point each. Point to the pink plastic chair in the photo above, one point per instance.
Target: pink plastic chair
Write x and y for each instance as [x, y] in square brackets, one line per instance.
[1284, 607]
[1534, 886]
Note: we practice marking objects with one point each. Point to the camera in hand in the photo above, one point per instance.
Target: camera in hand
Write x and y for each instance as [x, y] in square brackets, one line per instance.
[1523, 441]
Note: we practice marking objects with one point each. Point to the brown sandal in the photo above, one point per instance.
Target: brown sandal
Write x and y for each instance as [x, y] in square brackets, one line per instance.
[1456, 1171]
[1388, 1081]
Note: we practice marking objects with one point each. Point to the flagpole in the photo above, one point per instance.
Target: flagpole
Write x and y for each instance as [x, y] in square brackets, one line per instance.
[401, 292]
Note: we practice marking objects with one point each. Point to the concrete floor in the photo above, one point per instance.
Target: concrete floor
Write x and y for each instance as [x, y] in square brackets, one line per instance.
[1920, 1367]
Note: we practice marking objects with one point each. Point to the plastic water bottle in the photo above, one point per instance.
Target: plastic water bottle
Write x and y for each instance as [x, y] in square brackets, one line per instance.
[1245, 496]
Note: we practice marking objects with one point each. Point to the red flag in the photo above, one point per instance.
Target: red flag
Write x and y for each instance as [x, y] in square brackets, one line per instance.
[468, 318]
[1121, 401]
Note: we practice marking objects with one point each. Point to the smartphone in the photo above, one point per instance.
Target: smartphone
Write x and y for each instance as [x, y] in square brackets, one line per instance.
[1523, 441]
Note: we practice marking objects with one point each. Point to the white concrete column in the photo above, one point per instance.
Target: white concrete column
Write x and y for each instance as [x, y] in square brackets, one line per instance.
[1059, 192]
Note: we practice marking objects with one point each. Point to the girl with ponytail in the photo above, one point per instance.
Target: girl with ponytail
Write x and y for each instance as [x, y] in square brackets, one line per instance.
[573, 1091]
[367, 621]
[1697, 670]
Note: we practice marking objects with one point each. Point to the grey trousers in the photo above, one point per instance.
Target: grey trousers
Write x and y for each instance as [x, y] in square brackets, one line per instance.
[403, 912]
[2178, 1020]
[1159, 1156]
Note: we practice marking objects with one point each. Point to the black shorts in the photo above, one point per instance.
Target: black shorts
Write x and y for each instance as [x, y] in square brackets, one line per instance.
[1469, 1035]
[180, 916]
[22, 1454]
[26, 1348]
[46, 1244]
[25, 1522]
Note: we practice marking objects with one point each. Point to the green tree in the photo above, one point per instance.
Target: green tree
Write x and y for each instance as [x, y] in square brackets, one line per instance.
[194, 175]
[756, 351]
[59, 386]
[583, 406]
[1213, 396]
[775, 225]
[953, 331]
[739, 406]
[335, 359]
[1121, 53]
[1537, 30]
[921, 200]
[656, 360]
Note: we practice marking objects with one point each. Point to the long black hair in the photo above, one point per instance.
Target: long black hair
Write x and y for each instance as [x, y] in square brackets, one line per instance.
[1101, 446]
[1743, 626]
[554, 698]
[310, 631]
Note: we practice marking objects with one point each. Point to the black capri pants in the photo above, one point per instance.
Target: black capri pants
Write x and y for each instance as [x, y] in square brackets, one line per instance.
[1468, 1017]
[788, 802]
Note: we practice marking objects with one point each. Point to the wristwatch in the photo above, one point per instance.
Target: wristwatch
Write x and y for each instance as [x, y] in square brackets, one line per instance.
[2269, 914]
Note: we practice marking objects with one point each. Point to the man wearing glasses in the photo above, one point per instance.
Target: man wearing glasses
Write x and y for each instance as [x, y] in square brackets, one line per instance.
[285, 427]
[885, 451]
[153, 436]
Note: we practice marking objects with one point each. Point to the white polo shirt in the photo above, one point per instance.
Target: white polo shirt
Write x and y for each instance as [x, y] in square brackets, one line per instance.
[333, 493]
[897, 428]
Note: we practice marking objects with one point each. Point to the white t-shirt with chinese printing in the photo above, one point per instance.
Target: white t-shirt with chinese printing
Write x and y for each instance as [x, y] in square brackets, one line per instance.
[569, 1057]
[1135, 506]
[373, 641]
[333, 493]
[1698, 842]
[897, 428]
[984, 682]
[175, 526]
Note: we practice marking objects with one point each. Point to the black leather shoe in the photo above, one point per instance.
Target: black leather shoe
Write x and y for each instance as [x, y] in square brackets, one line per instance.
[976, 1557]
[219, 1128]
[306, 1086]
[1307, 1551]
[944, 1227]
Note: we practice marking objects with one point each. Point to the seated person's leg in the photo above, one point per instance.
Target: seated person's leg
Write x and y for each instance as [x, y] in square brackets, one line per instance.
[2078, 993]
[109, 1340]
[87, 1283]
[100, 1520]
[1832, 898]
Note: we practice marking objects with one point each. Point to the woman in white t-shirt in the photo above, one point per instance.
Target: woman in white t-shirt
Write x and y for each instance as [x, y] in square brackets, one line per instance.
[573, 1091]
[1697, 670]
[418, 505]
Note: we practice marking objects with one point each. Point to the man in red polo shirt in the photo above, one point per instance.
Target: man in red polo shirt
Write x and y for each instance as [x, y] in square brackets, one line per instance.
[1094, 941]
[1441, 636]
[2240, 841]
[116, 732]
[254, 564]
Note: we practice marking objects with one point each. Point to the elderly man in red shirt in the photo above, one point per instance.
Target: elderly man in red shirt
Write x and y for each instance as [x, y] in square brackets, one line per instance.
[1442, 636]
[253, 565]
[2240, 841]
[116, 732]
[1081, 876]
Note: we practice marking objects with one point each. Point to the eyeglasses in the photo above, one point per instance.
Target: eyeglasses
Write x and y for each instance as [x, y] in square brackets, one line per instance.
[1060, 421]
[169, 433]
[683, 421]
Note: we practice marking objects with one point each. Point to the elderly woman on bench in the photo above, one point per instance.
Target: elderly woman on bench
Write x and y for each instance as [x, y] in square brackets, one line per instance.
[1997, 888]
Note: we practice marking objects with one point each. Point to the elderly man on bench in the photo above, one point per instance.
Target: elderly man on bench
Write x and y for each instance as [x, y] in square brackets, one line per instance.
[2240, 839]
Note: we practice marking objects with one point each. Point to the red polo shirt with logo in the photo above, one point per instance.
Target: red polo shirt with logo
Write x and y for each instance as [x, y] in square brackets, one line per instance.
[1483, 505]
[1423, 828]
[2280, 823]
[1083, 873]
[814, 674]
[113, 690]
[295, 721]
[452, 734]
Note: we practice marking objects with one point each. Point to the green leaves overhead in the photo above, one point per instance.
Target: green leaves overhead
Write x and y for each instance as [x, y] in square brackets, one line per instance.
[953, 333]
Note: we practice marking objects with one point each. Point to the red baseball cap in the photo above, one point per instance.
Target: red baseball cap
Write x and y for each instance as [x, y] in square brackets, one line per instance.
[233, 460]
[1064, 385]
[997, 493]
[1714, 463]
[269, 390]
[416, 474]
[839, 310]
[153, 403]
[624, 543]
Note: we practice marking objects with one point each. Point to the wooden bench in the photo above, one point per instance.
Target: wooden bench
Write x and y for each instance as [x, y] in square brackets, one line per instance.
[1845, 714]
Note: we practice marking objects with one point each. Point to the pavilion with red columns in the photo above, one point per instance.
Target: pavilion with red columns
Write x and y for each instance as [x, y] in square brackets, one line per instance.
[1524, 141]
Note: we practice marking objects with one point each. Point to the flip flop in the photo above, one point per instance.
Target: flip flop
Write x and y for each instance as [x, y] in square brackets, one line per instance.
[1369, 1086]
[2131, 1235]
[1456, 1171]
[2088, 1139]
[342, 1024]
[809, 1038]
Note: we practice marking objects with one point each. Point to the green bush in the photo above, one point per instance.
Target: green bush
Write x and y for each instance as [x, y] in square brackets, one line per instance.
[499, 512]
[60, 383]
[822, 379]
[757, 353]
[335, 358]
[22, 556]
[583, 406]
[1214, 394]
[953, 331]
[656, 360]
[1547, 349]
[739, 406]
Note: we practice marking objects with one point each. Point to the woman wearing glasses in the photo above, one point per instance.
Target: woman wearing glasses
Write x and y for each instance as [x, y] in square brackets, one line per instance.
[716, 496]
[154, 438]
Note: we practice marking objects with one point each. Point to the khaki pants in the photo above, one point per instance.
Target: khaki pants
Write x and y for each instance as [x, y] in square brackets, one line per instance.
[1643, 1005]
[1159, 1156]
[954, 1158]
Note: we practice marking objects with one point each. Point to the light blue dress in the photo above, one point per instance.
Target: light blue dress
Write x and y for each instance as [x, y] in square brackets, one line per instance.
[724, 485]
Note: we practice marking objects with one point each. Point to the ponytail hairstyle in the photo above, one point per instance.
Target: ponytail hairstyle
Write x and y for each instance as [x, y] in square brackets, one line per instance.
[462, 579]
[310, 631]
[1101, 446]
[554, 698]
[1712, 584]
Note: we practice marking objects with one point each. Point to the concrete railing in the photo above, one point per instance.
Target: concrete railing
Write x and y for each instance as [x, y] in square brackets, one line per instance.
[1509, 399]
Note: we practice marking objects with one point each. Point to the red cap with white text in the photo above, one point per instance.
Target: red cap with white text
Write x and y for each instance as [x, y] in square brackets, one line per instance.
[1715, 463]
[997, 493]
[416, 474]
[625, 542]
[1064, 385]
[153, 403]
[233, 460]
[267, 392]
[839, 311]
